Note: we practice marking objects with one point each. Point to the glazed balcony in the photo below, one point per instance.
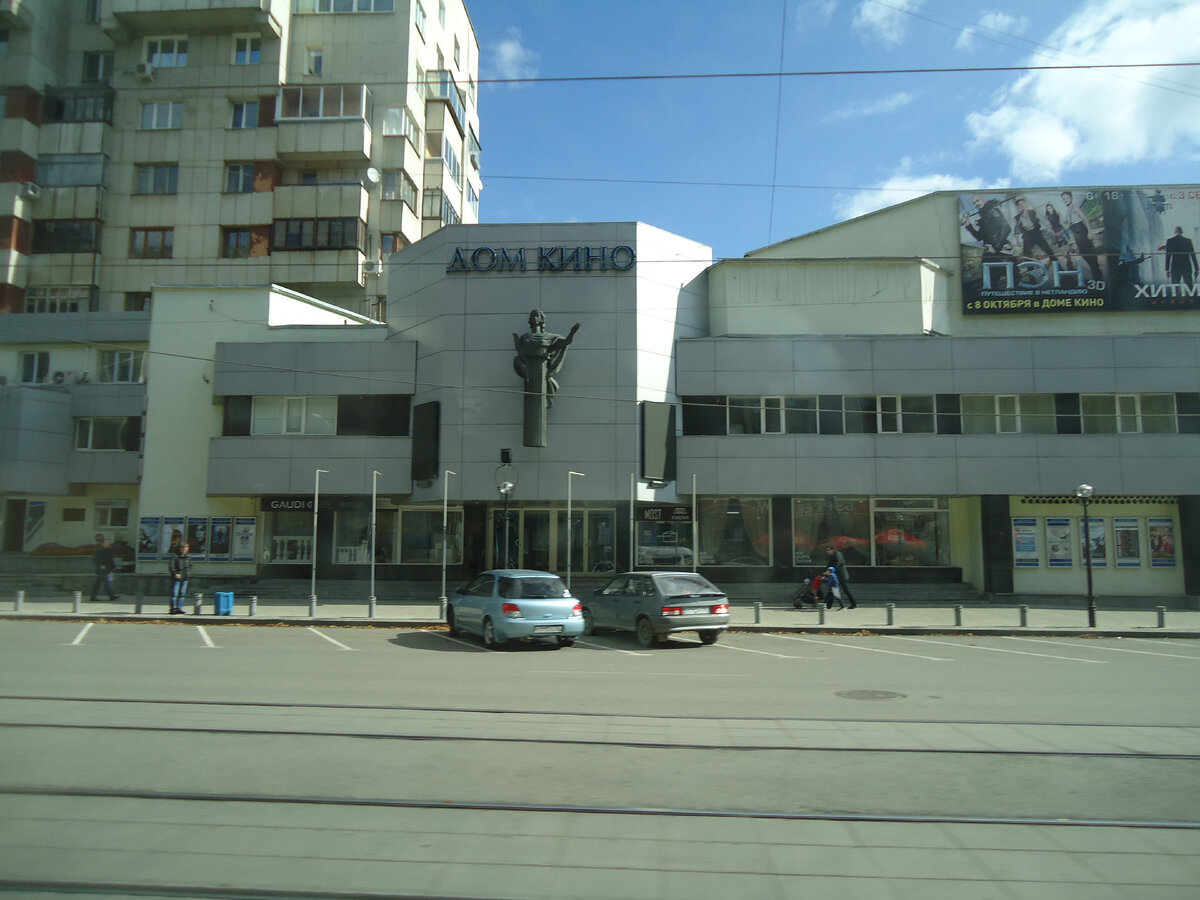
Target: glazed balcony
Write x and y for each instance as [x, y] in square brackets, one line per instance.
[133, 17]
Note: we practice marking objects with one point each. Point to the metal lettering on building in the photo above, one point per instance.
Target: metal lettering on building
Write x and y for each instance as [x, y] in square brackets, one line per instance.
[548, 259]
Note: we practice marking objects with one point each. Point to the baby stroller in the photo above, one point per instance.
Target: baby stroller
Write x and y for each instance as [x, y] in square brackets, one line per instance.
[811, 592]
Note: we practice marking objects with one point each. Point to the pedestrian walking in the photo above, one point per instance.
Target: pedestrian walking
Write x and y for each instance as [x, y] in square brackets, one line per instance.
[836, 561]
[180, 567]
[835, 589]
[105, 564]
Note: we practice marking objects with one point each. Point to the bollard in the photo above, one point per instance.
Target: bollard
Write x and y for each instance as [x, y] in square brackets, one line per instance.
[1024, 611]
[137, 597]
[253, 604]
[1162, 616]
[442, 609]
[891, 613]
[199, 608]
[21, 601]
[312, 605]
[958, 616]
[820, 613]
[371, 608]
[758, 613]
[78, 600]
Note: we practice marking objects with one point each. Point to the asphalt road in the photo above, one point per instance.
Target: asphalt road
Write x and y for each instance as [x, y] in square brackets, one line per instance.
[182, 760]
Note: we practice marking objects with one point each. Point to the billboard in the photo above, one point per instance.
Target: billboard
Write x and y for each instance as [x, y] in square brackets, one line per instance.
[1050, 250]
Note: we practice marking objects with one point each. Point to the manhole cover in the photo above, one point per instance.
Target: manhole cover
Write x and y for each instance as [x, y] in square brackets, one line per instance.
[870, 695]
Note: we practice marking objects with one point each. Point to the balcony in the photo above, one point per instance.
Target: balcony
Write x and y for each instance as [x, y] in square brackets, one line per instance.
[348, 200]
[440, 85]
[125, 18]
[16, 13]
[324, 123]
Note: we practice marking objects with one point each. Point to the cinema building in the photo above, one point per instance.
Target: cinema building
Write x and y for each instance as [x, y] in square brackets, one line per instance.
[915, 387]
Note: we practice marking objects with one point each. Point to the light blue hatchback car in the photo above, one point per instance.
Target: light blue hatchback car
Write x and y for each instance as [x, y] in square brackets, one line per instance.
[516, 604]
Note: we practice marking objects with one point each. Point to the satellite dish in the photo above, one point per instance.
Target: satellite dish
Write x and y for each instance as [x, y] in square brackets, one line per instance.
[373, 175]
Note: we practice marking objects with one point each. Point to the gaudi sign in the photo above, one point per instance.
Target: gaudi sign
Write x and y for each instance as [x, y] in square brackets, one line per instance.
[549, 259]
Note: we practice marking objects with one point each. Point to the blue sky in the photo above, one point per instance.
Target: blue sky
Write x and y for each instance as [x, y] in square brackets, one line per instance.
[740, 163]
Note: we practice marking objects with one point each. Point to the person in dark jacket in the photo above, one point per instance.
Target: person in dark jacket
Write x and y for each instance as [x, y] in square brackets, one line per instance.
[105, 564]
[836, 561]
[180, 567]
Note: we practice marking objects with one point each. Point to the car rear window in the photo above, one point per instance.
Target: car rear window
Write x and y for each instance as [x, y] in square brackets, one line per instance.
[532, 588]
[685, 585]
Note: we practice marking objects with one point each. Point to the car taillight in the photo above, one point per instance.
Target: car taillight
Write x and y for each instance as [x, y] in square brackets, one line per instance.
[512, 611]
[576, 610]
[672, 610]
[721, 609]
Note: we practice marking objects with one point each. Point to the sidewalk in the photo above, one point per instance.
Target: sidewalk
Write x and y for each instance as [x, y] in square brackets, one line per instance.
[908, 617]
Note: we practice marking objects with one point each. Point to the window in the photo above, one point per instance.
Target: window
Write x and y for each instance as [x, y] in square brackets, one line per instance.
[859, 414]
[419, 17]
[112, 513]
[107, 434]
[398, 186]
[457, 53]
[239, 178]
[247, 50]
[66, 236]
[166, 52]
[78, 106]
[436, 205]
[245, 114]
[1128, 413]
[905, 415]
[392, 243]
[294, 415]
[156, 178]
[121, 366]
[74, 514]
[334, 101]
[97, 67]
[399, 121]
[235, 243]
[162, 115]
[349, 6]
[442, 13]
[1008, 414]
[151, 243]
[373, 414]
[3, 42]
[317, 234]
[93, 11]
[473, 200]
[314, 61]
[437, 146]
[70, 169]
[35, 367]
[137, 301]
[65, 299]
[800, 415]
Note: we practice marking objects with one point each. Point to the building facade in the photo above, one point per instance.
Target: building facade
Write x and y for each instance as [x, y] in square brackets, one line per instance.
[855, 387]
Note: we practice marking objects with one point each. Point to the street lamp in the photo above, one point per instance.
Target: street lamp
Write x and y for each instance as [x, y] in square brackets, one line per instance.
[445, 532]
[312, 592]
[1084, 492]
[506, 484]
[570, 475]
[374, 482]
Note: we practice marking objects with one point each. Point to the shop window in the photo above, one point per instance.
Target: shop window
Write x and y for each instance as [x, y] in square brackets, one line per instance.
[841, 522]
[735, 531]
[911, 532]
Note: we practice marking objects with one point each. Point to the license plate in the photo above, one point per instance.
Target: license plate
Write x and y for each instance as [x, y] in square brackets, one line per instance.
[695, 610]
[547, 629]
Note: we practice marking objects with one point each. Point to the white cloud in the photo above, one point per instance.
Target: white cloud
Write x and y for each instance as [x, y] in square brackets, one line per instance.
[997, 24]
[510, 58]
[905, 184]
[814, 13]
[878, 107]
[883, 21]
[1050, 122]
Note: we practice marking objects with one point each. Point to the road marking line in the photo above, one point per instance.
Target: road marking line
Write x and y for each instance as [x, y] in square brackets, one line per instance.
[454, 640]
[1096, 646]
[79, 637]
[788, 637]
[204, 636]
[765, 653]
[328, 638]
[1098, 662]
[617, 649]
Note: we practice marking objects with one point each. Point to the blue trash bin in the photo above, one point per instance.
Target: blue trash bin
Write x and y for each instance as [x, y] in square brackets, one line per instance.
[223, 603]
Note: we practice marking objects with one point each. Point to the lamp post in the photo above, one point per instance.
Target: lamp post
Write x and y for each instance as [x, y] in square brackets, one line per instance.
[1084, 492]
[371, 549]
[506, 483]
[312, 592]
[570, 475]
[445, 532]
[695, 528]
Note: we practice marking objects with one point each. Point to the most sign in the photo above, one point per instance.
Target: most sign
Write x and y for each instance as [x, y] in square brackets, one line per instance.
[1080, 250]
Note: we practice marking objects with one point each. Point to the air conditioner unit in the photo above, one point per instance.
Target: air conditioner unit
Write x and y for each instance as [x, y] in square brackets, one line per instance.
[60, 377]
[145, 71]
[372, 267]
[31, 191]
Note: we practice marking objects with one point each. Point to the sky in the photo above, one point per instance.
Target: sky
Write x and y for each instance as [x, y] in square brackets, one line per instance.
[609, 111]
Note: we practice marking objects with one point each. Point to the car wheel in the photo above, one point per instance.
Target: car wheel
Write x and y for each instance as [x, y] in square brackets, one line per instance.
[708, 637]
[589, 623]
[645, 633]
[451, 623]
[489, 635]
[564, 642]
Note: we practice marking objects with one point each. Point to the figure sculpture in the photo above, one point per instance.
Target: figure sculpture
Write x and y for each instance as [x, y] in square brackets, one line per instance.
[539, 358]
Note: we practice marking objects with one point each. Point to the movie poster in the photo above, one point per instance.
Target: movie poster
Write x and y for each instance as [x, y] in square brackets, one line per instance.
[1095, 542]
[170, 535]
[197, 537]
[220, 534]
[1025, 542]
[1060, 544]
[243, 538]
[1161, 534]
[147, 545]
[1127, 542]
[1080, 250]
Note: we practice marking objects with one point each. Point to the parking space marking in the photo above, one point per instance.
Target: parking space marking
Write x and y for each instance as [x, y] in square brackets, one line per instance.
[204, 637]
[331, 640]
[1099, 662]
[765, 653]
[1095, 646]
[79, 637]
[617, 649]
[454, 640]
[788, 637]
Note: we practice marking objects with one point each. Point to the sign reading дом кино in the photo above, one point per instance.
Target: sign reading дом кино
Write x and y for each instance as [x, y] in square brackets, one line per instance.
[1049, 250]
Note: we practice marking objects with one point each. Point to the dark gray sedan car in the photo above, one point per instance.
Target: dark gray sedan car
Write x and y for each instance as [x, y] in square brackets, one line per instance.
[655, 605]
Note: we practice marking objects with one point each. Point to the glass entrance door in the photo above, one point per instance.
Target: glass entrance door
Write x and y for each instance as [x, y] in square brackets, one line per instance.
[529, 535]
